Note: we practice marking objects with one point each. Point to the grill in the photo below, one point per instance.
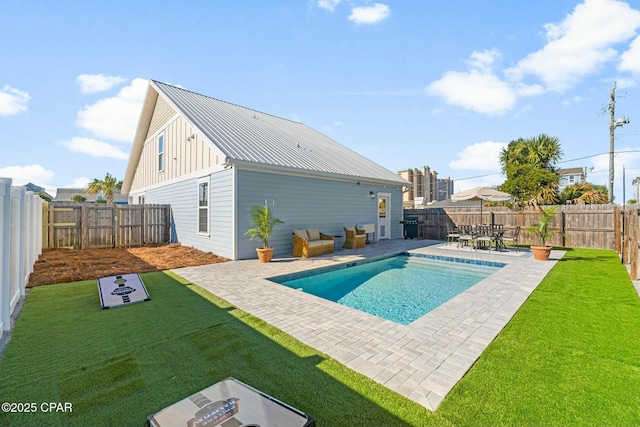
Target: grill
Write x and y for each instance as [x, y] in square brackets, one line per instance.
[412, 227]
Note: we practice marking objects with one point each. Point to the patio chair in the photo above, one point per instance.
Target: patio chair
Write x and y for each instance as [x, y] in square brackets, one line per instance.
[453, 233]
[467, 235]
[354, 238]
[485, 236]
[512, 237]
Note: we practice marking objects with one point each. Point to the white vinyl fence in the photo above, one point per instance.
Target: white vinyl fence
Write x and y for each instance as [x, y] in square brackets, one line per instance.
[20, 244]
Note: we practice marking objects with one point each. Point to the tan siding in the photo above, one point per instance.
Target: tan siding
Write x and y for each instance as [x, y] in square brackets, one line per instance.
[181, 156]
[161, 113]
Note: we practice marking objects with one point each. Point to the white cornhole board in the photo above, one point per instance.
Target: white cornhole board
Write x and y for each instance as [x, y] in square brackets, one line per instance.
[123, 289]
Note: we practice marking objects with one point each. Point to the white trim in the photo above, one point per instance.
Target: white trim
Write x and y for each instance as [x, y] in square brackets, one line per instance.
[204, 180]
[387, 220]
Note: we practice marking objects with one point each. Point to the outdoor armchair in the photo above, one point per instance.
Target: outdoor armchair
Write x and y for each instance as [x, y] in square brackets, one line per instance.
[354, 238]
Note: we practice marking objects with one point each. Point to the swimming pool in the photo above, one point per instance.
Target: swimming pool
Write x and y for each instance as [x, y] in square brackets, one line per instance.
[400, 288]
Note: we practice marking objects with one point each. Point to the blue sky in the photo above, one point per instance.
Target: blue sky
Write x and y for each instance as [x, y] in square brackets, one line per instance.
[407, 84]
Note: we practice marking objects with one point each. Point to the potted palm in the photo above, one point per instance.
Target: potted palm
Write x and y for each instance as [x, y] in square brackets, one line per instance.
[541, 229]
[262, 224]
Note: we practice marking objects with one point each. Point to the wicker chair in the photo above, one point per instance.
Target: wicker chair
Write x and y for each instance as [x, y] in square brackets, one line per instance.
[355, 238]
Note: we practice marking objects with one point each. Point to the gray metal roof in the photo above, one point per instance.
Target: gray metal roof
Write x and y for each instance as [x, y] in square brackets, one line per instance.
[246, 135]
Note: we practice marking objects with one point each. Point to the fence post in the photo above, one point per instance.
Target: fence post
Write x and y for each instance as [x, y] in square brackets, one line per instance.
[18, 247]
[5, 245]
[633, 244]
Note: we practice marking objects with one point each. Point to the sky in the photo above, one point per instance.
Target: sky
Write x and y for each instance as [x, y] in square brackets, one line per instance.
[405, 83]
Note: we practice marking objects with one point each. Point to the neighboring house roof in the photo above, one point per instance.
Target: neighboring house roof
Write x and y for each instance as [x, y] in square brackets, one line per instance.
[37, 189]
[250, 137]
[571, 171]
[66, 194]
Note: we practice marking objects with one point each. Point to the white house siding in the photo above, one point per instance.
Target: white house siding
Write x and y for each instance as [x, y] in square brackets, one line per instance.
[303, 202]
[182, 156]
[183, 198]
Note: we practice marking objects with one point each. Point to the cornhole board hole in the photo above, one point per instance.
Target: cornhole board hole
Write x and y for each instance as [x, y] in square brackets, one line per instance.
[121, 290]
[230, 403]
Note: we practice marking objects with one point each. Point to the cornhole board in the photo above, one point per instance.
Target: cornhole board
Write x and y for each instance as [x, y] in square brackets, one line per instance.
[121, 290]
[230, 403]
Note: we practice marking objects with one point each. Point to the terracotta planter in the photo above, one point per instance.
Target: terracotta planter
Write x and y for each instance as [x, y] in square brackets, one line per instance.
[264, 255]
[541, 253]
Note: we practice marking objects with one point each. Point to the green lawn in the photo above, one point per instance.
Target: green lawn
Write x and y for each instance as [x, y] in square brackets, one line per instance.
[570, 356]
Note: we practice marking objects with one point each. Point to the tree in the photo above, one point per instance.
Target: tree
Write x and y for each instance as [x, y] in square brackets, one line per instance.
[530, 166]
[105, 186]
[44, 196]
[584, 193]
[78, 198]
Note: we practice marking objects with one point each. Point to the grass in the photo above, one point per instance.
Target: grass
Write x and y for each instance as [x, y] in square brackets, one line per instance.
[120, 365]
[570, 356]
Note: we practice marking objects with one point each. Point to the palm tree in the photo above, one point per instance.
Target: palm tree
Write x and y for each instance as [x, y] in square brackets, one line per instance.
[105, 186]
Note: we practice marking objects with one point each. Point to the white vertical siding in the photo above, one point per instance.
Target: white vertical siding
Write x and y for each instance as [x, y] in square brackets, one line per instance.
[182, 156]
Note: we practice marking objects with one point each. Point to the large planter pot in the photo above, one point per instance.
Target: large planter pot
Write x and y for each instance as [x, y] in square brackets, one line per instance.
[541, 253]
[264, 255]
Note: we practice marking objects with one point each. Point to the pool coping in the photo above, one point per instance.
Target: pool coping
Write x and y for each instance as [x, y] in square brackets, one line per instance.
[423, 360]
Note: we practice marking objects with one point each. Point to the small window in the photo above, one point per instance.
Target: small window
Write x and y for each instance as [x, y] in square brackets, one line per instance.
[141, 199]
[161, 153]
[203, 206]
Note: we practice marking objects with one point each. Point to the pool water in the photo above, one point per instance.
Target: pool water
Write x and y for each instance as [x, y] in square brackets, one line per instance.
[400, 288]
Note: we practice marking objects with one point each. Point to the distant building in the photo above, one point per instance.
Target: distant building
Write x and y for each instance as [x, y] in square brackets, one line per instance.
[37, 189]
[571, 176]
[67, 194]
[427, 187]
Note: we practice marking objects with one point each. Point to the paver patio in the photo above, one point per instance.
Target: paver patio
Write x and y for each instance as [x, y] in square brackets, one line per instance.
[422, 360]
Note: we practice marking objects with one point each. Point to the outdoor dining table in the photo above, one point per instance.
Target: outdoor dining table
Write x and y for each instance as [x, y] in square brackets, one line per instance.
[482, 236]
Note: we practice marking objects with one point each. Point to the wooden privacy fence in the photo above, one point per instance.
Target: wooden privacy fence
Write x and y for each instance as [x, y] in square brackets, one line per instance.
[586, 226]
[589, 226]
[88, 225]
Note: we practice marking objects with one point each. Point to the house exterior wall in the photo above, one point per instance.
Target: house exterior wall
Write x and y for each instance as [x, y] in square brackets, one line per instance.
[307, 202]
[182, 195]
[185, 151]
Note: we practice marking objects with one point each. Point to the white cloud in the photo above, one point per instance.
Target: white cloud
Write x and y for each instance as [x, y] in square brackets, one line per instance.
[328, 4]
[13, 101]
[373, 14]
[93, 83]
[22, 175]
[80, 182]
[580, 44]
[94, 148]
[482, 156]
[474, 90]
[115, 118]
[630, 60]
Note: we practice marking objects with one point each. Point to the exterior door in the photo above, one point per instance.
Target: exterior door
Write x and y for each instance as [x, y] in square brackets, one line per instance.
[384, 216]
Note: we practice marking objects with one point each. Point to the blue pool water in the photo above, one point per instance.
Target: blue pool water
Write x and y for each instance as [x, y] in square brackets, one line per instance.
[400, 288]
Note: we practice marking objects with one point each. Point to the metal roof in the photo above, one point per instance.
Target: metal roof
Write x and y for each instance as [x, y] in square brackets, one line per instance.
[249, 136]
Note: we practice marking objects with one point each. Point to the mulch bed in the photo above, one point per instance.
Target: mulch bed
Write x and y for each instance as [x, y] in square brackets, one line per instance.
[72, 265]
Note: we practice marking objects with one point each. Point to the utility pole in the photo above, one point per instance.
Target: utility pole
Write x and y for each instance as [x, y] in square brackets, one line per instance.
[612, 109]
[613, 124]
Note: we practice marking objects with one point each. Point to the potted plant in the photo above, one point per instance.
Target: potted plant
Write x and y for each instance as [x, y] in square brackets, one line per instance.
[262, 222]
[541, 229]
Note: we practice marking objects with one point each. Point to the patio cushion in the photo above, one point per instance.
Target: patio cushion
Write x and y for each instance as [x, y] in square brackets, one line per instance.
[301, 234]
[314, 233]
[316, 243]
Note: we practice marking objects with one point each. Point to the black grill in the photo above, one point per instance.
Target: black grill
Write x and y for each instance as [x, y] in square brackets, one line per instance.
[412, 227]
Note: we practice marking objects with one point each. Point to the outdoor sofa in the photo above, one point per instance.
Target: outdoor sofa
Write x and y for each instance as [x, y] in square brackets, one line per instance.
[311, 242]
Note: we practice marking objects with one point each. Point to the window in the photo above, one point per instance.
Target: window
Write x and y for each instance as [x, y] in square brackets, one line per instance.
[161, 153]
[141, 199]
[203, 206]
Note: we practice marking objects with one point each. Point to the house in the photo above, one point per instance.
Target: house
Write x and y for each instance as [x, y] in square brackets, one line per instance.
[571, 176]
[212, 160]
[67, 195]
